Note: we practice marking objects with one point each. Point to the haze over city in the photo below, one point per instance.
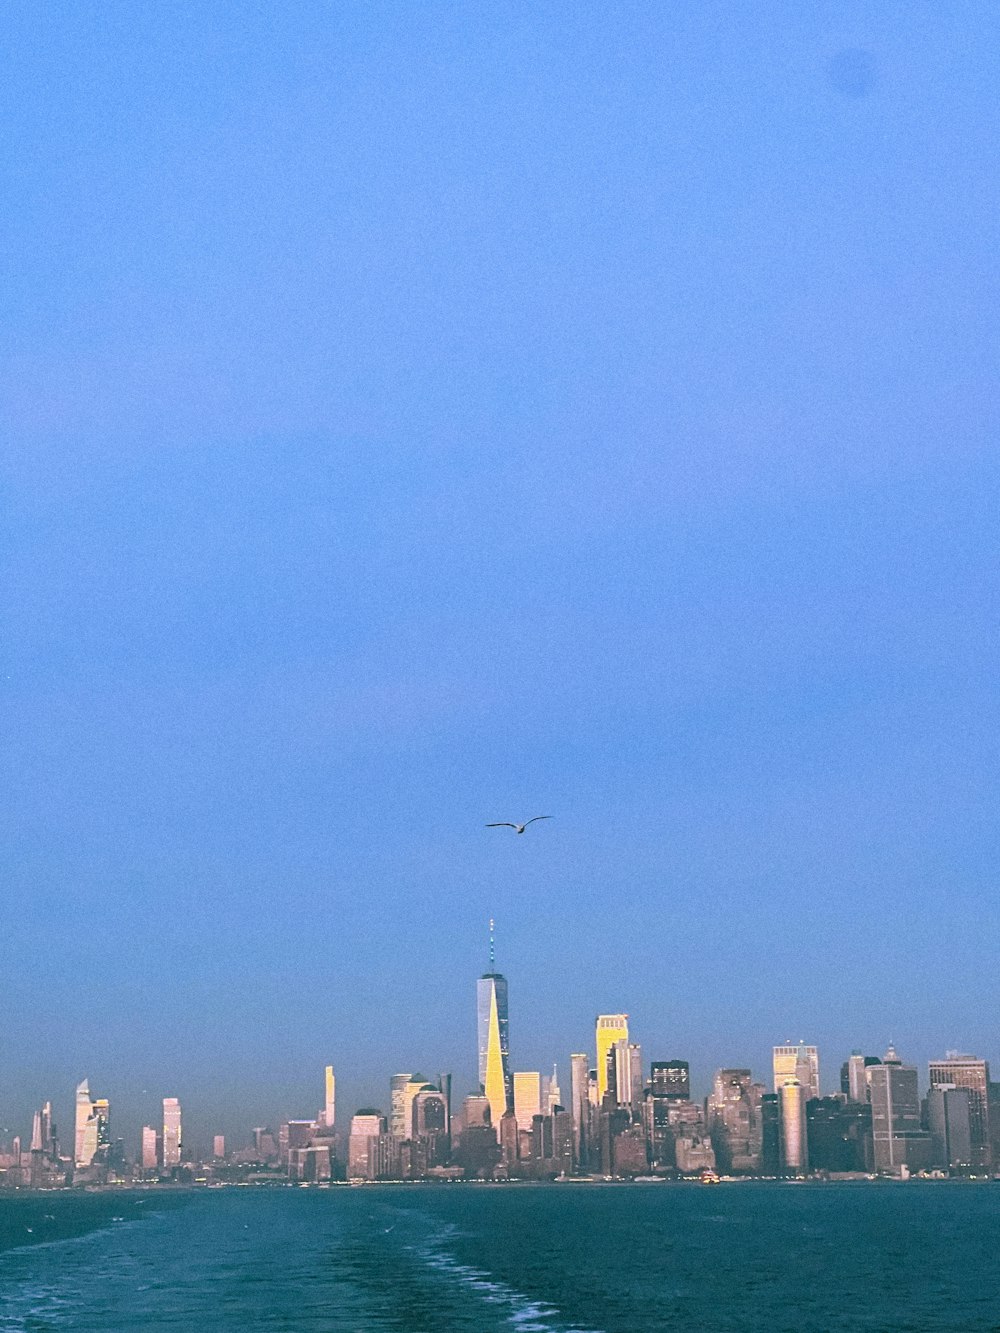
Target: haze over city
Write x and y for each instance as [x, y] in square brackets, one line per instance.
[417, 417]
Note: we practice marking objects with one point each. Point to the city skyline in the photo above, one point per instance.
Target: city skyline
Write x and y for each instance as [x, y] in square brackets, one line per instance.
[613, 1051]
[951, 1121]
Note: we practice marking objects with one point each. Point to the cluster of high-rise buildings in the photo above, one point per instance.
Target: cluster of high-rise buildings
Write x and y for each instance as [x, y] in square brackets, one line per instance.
[96, 1158]
[617, 1116]
[611, 1115]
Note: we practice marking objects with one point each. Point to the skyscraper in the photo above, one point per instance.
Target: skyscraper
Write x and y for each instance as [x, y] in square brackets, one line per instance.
[398, 1109]
[628, 1075]
[430, 1112]
[966, 1071]
[527, 1099]
[171, 1133]
[475, 1112]
[579, 1073]
[494, 1050]
[43, 1131]
[770, 1134]
[794, 1144]
[444, 1083]
[93, 1126]
[797, 1062]
[367, 1129]
[670, 1079]
[85, 1144]
[330, 1100]
[150, 1153]
[734, 1122]
[402, 1090]
[857, 1075]
[610, 1028]
[950, 1120]
[897, 1138]
[553, 1096]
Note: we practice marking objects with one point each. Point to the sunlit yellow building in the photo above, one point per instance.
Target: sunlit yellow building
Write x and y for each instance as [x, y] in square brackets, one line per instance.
[611, 1028]
[527, 1099]
[330, 1101]
[494, 1081]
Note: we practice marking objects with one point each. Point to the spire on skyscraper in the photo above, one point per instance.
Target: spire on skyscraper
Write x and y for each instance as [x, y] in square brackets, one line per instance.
[494, 1059]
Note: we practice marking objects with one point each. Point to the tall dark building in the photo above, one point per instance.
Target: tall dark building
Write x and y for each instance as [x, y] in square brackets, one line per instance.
[670, 1078]
[770, 1134]
[949, 1115]
[444, 1083]
[838, 1134]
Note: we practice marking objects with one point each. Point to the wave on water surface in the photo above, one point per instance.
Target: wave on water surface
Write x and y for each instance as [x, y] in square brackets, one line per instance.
[514, 1308]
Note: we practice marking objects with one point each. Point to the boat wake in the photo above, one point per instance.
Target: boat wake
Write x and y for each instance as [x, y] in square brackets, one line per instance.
[513, 1309]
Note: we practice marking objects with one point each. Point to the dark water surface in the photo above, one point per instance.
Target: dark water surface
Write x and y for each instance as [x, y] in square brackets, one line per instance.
[597, 1259]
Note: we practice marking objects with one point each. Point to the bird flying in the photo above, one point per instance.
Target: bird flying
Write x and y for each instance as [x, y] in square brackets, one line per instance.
[519, 828]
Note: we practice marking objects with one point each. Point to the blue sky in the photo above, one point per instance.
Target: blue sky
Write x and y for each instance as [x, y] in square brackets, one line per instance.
[418, 415]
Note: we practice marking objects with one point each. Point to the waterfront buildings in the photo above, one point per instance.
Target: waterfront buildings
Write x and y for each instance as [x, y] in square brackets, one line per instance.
[838, 1135]
[444, 1084]
[150, 1149]
[629, 1080]
[734, 1120]
[93, 1127]
[770, 1134]
[265, 1144]
[794, 1142]
[171, 1133]
[797, 1062]
[330, 1098]
[610, 1029]
[553, 1093]
[857, 1075]
[475, 1112]
[493, 1032]
[527, 1099]
[949, 1119]
[616, 1120]
[691, 1142]
[398, 1085]
[670, 1079]
[402, 1090]
[429, 1113]
[967, 1071]
[579, 1077]
[897, 1137]
[368, 1126]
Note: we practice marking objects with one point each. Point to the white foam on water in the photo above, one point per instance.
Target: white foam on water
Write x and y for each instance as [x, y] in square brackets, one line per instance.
[520, 1312]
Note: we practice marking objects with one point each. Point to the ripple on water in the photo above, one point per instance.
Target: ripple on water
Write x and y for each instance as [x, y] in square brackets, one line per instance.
[516, 1310]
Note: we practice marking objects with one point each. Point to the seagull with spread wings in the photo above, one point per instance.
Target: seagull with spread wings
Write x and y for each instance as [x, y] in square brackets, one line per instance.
[519, 828]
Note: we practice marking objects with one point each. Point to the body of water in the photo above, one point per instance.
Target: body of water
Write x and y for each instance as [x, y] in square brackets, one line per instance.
[812, 1258]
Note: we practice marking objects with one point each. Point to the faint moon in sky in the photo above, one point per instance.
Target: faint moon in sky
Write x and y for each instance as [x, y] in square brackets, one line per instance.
[853, 72]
